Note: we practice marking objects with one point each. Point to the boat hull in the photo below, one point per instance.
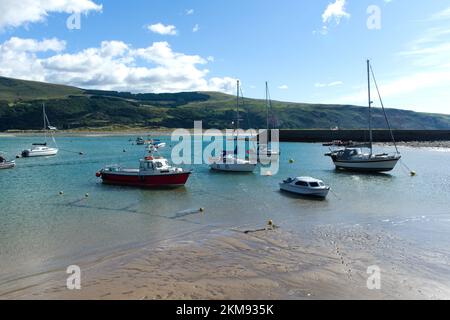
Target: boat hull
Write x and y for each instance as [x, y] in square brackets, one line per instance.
[33, 154]
[7, 165]
[233, 167]
[305, 191]
[146, 181]
[367, 166]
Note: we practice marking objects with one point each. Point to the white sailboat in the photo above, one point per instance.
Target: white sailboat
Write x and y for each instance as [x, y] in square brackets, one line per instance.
[266, 149]
[354, 158]
[231, 162]
[41, 149]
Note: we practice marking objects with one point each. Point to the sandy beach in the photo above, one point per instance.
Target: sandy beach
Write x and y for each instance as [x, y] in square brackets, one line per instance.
[272, 264]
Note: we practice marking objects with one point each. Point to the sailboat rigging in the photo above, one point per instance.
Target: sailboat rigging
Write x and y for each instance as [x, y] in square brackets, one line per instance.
[41, 149]
[230, 162]
[264, 149]
[353, 158]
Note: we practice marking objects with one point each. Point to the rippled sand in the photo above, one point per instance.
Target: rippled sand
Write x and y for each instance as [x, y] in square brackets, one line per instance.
[272, 264]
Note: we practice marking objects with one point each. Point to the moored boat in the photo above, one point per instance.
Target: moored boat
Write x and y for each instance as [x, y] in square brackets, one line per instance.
[353, 158]
[5, 164]
[305, 186]
[231, 162]
[153, 172]
[41, 149]
[266, 150]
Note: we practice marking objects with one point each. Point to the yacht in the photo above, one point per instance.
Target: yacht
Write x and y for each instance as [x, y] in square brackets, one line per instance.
[230, 162]
[42, 149]
[356, 158]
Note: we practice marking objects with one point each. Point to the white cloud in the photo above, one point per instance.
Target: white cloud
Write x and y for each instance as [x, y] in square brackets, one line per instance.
[442, 15]
[401, 86]
[432, 47]
[162, 29]
[335, 11]
[330, 84]
[196, 28]
[283, 87]
[189, 12]
[114, 65]
[15, 13]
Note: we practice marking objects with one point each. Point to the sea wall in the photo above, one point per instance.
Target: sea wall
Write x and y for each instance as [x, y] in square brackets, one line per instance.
[363, 135]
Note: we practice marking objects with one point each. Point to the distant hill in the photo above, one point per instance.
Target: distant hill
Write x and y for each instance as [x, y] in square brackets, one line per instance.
[74, 108]
[17, 90]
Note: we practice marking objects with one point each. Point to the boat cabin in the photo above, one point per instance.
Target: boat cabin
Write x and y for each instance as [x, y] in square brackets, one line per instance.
[306, 182]
[154, 164]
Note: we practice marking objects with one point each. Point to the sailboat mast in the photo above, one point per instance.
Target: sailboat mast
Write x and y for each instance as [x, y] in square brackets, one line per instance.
[267, 107]
[237, 107]
[44, 117]
[370, 107]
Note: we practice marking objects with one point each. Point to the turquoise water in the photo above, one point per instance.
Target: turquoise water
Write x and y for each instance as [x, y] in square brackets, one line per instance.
[40, 229]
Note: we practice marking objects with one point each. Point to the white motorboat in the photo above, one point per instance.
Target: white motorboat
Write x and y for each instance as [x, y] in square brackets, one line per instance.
[41, 149]
[305, 186]
[231, 162]
[353, 158]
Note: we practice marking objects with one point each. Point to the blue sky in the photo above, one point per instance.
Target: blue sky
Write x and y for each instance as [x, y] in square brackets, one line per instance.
[309, 51]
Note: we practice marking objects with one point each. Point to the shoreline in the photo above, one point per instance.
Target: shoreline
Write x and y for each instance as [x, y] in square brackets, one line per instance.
[271, 264]
[435, 144]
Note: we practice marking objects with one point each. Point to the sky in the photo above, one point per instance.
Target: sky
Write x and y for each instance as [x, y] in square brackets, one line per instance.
[311, 51]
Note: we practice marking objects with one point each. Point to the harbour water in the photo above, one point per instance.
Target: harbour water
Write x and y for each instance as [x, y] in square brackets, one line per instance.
[41, 229]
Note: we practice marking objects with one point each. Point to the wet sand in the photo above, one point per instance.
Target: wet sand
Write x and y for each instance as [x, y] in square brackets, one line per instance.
[328, 263]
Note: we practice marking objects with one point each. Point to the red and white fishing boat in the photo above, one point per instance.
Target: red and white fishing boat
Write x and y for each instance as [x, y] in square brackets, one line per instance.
[153, 172]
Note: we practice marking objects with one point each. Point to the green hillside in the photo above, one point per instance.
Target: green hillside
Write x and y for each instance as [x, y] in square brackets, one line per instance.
[16, 90]
[73, 108]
